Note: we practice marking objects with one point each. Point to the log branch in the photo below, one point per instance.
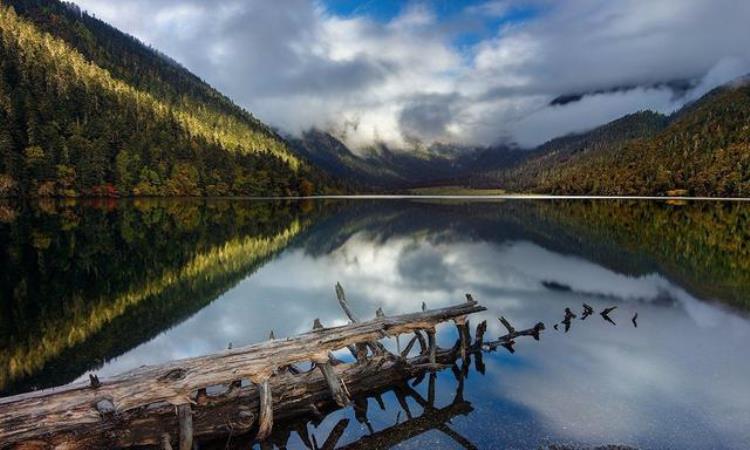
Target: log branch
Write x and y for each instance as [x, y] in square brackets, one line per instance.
[508, 340]
[265, 421]
[185, 418]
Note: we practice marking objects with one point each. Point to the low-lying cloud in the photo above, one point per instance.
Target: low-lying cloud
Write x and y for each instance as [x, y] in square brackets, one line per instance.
[406, 79]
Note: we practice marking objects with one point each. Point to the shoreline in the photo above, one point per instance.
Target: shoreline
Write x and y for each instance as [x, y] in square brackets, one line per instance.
[402, 197]
[517, 197]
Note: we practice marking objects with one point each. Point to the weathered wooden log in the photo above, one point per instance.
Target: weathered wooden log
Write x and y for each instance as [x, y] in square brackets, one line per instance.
[331, 359]
[432, 345]
[402, 391]
[507, 325]
[432, 418]
[335, 384]
[265, 421]
[479, 335]
[361, 379]
[185, 418]
[376, 347]
[463, 334]
[341, 297]
[68, 415]
[166, 443]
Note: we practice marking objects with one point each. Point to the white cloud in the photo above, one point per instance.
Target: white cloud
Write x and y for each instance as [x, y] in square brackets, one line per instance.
[298, 65]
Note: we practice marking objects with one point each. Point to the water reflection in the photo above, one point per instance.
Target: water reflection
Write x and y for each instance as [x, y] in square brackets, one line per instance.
[85, 282]
[415, 415]
[678, 380]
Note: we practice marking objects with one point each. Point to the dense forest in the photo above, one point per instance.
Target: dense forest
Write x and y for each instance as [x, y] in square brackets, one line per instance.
[543, 163]
[88, 110]
[702, 150]
[337, 160]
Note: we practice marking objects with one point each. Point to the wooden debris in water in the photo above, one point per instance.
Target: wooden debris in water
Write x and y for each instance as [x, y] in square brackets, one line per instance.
[587, 311]
[151, 405]
[140, 405]
[605, 314]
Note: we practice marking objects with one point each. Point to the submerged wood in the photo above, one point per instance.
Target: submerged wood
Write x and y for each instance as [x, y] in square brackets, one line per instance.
[335, 384]
[395, 378]
[250, 408]
[507, 340]
[435, 419]
[144, 399]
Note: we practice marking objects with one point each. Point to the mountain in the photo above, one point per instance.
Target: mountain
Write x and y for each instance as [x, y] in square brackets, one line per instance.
[382, 168]
[88, 110]
[701, 150]
[337, 160]
[545, 162]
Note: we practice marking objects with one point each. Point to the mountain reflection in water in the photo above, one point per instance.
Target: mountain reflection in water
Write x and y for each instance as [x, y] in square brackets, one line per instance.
[112, 286]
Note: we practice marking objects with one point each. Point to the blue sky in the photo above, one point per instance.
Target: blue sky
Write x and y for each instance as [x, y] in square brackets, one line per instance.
[473, 20]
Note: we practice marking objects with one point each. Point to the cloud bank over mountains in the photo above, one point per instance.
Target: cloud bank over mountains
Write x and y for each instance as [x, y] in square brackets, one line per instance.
[483, 73]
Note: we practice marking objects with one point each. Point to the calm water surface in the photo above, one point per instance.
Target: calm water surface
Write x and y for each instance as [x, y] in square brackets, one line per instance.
[109, 286]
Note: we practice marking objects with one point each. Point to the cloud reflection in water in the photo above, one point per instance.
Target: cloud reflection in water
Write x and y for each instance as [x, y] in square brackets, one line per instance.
[679, 379]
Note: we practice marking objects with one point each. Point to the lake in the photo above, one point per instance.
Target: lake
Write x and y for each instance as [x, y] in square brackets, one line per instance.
[107, 286]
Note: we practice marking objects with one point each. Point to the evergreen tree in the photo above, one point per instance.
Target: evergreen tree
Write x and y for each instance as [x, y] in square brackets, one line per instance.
[88, 110]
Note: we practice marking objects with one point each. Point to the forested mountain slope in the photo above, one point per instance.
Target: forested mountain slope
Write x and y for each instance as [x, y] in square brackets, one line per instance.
[701, 150]
[88, 110]
[333, 156]
[381, 168]
[544, 163]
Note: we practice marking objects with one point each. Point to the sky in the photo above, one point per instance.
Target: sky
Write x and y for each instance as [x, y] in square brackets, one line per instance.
[469, 72]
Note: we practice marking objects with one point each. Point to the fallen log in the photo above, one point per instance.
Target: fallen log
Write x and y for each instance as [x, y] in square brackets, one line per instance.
[373, 384]
[236, 411]
[143, 401]
[38, 420]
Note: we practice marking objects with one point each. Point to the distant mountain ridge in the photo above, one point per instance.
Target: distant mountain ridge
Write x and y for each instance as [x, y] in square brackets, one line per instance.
[382, 168]
[544, 162]
[701, 150]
